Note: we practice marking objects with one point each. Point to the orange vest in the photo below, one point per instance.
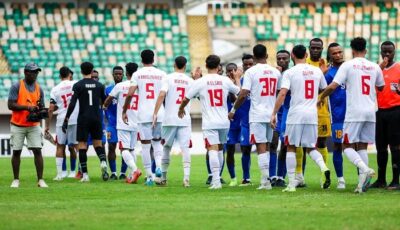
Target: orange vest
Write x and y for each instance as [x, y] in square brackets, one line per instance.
[25, 98]
[388, 98]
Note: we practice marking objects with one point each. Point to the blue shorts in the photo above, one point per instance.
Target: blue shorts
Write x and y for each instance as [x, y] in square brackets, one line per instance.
[337, 132]
[112, 135]
[282, 126]
[90, 142]
[233, 137]
[245, 136]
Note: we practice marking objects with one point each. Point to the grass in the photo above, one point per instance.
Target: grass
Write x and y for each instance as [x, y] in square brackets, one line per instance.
[115, 205]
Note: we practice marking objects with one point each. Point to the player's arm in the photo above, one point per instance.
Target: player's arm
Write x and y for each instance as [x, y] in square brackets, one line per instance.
[160, 100]
[108, 101]
[181, 112]
[128, 99]
[327, 91]
[380, 82]
[239, 101]
[52, 108]
[278, 103]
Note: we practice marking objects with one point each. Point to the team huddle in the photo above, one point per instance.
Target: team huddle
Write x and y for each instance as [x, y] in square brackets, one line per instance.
[258, 104]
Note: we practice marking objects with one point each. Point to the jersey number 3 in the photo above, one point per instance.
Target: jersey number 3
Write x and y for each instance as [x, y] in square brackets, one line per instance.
[181, 95]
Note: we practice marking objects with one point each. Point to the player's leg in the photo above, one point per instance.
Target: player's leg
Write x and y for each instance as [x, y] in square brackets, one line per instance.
[233, 138]
[382, 141]
[158, 148]
[337, 136]
[34, 141]
[17, 141]
[273, 157]
[96, 132]
[300, 163]
[324, 131]
[259, 136]
[293, 142]
[395, 153]
[281, 171]
[245, 147]
[146, 134]
[211, 139]
[209, 178]
[183, 137]
[127, 141]
[72, 148]
[61, 139]
[169, 134]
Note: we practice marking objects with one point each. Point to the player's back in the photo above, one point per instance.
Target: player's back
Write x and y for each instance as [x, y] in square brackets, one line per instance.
[91, 95]
[262, 81]
[213, 90]
[303, 81]
[61, 96]
[176, 85]
[360, 77]
[120, 91]
[149, 82]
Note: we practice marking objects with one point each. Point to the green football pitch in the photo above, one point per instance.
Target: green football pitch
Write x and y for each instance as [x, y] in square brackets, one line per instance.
[115, 205]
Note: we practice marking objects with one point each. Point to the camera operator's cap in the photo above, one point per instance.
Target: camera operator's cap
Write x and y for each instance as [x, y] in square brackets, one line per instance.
[32, 67]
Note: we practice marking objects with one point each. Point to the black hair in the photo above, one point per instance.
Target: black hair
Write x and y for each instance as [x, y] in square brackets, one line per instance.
[147, 56]
[212, 61]
[247, 56]
[229, 64]
[388, 43]
[260, 51]
[95, 71]
[317, 40]
[64, 72]
[358, 44]
[283, 52]
[180, 62]
[333, 44]
[118, 68]
[131, 67]
[299, 51]
[86, 68]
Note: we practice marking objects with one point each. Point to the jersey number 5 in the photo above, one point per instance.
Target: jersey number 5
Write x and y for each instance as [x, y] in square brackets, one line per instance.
[150, 90]
[181, 95]
[365, 87]
[269, 86]
[65, 99]
[215, 97]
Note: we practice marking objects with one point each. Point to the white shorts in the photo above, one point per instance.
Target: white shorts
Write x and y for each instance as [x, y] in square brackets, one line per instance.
[260, 132]
[179, 133]
[147, 132]
[126, 139]
[301, 135]
[355, 132]
[68, 138]
[215, 136]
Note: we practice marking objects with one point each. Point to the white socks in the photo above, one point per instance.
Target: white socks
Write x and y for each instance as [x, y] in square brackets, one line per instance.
[59, 161]
[214, 165]
[129, 159]
[165, 161]
[355, 158]
[186, 162]
[319, 160]
[146, 158]
[291, 167]
[158, 152]
[221, 159]
[364, 155]
[263, 164]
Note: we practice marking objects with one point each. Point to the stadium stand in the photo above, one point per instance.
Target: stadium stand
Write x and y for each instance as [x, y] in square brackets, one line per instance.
[57, 34]
[299, 22]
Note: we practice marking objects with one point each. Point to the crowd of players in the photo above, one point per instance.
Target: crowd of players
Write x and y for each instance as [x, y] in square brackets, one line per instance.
[256, 103]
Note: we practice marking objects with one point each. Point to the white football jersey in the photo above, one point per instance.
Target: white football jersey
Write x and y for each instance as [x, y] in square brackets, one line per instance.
[176, 85]
[61, 94]
[148, 81]
[303, 81]
[213, 91]
[262, 82]
[360, 77]
[119, 92]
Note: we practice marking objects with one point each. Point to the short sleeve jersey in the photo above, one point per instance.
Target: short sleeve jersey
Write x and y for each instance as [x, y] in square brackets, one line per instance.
[360, 77]
[303, 81]
[262, 82]
[337, 99]
[213, 90]
[176, 86]
[60, 96]
[119, 92]
[111, 112]
[148, 81]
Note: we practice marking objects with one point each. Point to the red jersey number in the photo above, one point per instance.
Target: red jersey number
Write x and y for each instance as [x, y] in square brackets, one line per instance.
[215, 97]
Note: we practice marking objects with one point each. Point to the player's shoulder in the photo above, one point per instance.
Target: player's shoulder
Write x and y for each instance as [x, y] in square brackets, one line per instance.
[110, 87]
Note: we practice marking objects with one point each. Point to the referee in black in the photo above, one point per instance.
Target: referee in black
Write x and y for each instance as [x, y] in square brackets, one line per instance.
[91, 95]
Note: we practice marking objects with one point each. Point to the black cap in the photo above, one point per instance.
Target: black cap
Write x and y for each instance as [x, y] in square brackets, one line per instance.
[32, 67]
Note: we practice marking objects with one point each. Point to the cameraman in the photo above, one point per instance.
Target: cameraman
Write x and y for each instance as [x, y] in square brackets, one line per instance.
[23, 100]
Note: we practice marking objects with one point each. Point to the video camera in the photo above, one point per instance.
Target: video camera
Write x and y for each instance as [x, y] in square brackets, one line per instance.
[38, 114]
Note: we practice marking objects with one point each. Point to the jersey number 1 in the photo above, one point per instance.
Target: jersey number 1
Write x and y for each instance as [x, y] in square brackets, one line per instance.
[90, 92]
